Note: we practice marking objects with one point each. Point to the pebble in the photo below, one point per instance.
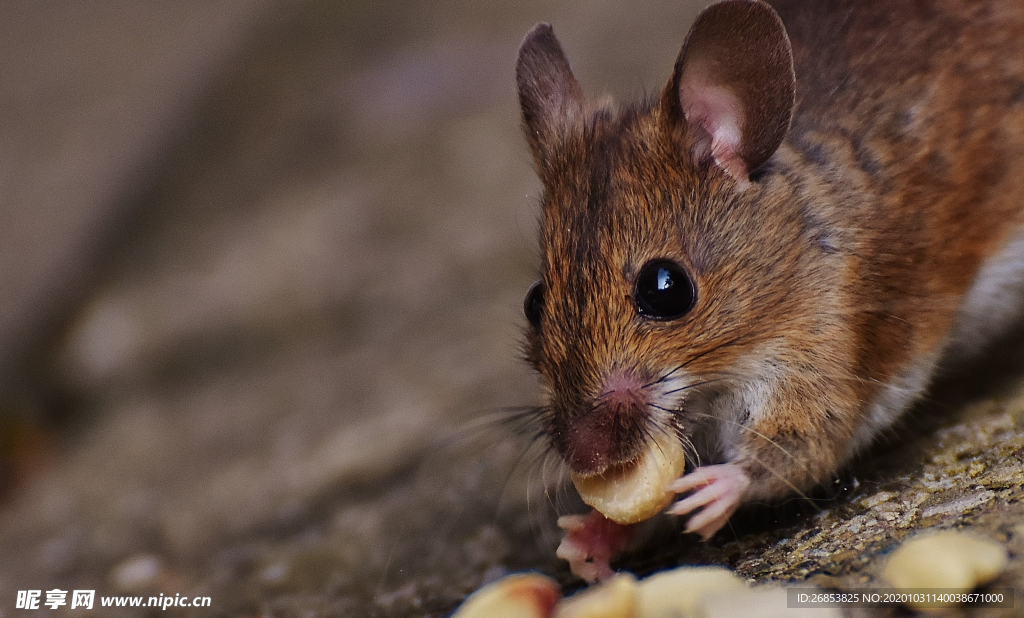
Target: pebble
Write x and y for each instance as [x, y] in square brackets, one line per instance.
[876, 499]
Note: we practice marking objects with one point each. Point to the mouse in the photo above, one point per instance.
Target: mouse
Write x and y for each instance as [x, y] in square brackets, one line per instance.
[770, 259]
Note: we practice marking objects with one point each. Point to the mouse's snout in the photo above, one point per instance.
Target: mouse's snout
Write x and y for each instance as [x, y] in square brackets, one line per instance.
[611, 428]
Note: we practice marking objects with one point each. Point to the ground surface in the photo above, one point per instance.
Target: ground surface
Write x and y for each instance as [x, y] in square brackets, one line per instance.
[277, 309]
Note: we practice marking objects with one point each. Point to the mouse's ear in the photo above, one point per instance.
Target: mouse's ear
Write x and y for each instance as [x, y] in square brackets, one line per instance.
[549, 95]
[734, 85]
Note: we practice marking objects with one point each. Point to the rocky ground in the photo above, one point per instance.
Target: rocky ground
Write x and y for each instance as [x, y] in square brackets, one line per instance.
[263, 285]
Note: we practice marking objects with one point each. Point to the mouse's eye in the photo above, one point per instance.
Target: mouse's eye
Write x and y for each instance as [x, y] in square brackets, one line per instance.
[664, 291]
[533, 304]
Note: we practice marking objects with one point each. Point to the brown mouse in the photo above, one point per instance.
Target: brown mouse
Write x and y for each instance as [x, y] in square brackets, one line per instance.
[770, 260]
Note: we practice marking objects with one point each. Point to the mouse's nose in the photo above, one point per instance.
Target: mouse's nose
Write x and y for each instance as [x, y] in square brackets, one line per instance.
[612, 431]
[622, 389]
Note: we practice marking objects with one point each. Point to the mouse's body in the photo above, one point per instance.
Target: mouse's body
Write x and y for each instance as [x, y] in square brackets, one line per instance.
[773, 269]
[908, 141]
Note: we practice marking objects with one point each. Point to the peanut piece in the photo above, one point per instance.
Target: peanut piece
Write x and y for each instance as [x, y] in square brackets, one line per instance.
[614, 598]
[523, 595]
[632, 493]
[678, 593]
[952, 560]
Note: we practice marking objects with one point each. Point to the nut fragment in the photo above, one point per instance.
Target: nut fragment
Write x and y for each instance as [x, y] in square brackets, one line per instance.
[678, 593]
[523, 595]
[952, 560]
[614, 598]
[631, 493]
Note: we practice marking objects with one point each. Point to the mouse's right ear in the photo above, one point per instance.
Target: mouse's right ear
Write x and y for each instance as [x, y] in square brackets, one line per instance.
[549, 96]
[733, 88]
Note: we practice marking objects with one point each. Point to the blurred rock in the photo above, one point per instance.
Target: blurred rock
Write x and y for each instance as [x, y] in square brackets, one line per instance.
[94, 96]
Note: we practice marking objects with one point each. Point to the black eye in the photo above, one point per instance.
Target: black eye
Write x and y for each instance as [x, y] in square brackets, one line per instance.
[533, 304]
[664, 291]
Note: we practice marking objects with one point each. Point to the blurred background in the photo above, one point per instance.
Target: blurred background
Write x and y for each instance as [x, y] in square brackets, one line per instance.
[260, 280]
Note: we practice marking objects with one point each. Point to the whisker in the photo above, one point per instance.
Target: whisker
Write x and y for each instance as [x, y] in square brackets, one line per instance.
[660, 428]
[715, 348]
[662, 378]
[690, 451]
[671, 411]
[785, 480]
[683, 365]
[537, 517]
[686, 441]
[792, 457]
[743, 427]
[772, 471]
[648, 431]
[536, 452]
[689, 386]
[517, 418]
[518, 464]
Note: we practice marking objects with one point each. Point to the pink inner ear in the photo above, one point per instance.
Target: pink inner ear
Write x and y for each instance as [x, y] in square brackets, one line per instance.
[716, 115]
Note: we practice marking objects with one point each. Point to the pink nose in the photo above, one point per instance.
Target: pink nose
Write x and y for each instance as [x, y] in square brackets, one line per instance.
[612, 430]
[622, 389]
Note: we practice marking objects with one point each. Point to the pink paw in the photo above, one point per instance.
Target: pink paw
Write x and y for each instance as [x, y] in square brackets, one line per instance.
[717, 491]
[590, 543]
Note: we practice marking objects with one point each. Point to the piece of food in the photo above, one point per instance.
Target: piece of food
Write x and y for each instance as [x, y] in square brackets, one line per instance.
[951, 560]
[523, 595]
[614, 598]
[631, 493]
[677, 593]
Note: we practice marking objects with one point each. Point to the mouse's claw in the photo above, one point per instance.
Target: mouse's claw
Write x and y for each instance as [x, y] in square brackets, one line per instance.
[717, 491]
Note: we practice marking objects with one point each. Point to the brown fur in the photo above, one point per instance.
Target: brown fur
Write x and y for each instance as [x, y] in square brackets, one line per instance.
[834, 271]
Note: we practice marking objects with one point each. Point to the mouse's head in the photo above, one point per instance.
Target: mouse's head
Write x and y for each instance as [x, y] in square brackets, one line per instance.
[650, 270]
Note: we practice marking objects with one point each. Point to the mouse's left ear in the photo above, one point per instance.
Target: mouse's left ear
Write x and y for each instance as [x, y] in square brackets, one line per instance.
[549, 96]
[734, 86]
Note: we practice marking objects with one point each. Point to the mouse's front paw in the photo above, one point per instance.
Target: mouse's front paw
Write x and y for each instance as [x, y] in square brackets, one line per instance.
[717, 492]
[590, 544]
